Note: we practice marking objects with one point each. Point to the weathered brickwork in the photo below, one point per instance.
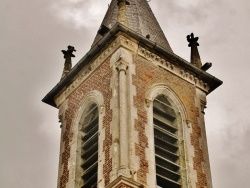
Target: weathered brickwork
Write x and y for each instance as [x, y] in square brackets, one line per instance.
[66, 153]
[198, 153]
[143, 143]
[99, 80]
[148, 74]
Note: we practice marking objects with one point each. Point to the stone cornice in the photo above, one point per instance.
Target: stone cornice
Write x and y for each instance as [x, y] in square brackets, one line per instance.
[173, 68]
[129, 42]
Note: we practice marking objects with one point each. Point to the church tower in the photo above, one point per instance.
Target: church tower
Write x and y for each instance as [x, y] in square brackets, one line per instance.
[131, 110]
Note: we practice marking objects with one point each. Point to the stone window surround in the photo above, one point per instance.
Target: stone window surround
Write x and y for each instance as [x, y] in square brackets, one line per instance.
[151, 94]
[90, 98]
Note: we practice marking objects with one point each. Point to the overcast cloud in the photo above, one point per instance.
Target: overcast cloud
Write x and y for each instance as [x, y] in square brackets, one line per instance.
[32, 33]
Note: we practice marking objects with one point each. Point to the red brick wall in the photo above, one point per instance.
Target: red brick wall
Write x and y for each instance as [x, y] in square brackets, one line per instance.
[99, 80]
[148, 74]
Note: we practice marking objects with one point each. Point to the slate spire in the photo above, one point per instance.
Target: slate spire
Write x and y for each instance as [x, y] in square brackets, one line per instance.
[137, 16]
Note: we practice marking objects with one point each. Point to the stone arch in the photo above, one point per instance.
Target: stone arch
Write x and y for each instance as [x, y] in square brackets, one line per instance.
[161, 88]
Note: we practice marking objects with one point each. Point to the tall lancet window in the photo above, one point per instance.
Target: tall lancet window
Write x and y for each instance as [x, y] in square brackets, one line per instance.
[167, 144]
[90, 147]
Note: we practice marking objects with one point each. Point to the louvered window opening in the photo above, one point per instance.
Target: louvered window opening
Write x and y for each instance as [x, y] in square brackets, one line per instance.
[90, 148]
[166, 144]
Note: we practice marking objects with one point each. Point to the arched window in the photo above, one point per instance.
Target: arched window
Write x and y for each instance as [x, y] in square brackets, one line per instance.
[167, 144]
[89, 126]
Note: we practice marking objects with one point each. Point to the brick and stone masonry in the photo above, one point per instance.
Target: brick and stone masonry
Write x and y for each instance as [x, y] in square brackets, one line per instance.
[128, 65]
[146, 74]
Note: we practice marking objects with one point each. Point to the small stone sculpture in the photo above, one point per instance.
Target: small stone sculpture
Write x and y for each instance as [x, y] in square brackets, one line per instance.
[192, 40]
[195, 56]
[69, 52]
[67, 56]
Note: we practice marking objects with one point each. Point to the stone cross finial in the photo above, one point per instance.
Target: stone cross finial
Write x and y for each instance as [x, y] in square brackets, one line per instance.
[195, 56]
[69, 52]
[67, 56]
[192, 40]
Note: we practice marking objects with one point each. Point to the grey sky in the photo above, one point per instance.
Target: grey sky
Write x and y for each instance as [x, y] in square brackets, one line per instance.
[32, 33]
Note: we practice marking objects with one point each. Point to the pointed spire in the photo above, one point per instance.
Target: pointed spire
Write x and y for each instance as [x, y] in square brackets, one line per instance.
[195, 56]
[137, 16]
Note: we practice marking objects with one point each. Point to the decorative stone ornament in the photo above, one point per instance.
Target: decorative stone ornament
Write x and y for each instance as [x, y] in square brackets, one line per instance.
[68, 63]
[122, 66]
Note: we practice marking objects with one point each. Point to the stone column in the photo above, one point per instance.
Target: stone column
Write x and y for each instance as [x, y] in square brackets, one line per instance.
[123, 125]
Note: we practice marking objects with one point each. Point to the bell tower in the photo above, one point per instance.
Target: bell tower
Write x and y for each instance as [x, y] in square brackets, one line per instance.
[131, 110]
